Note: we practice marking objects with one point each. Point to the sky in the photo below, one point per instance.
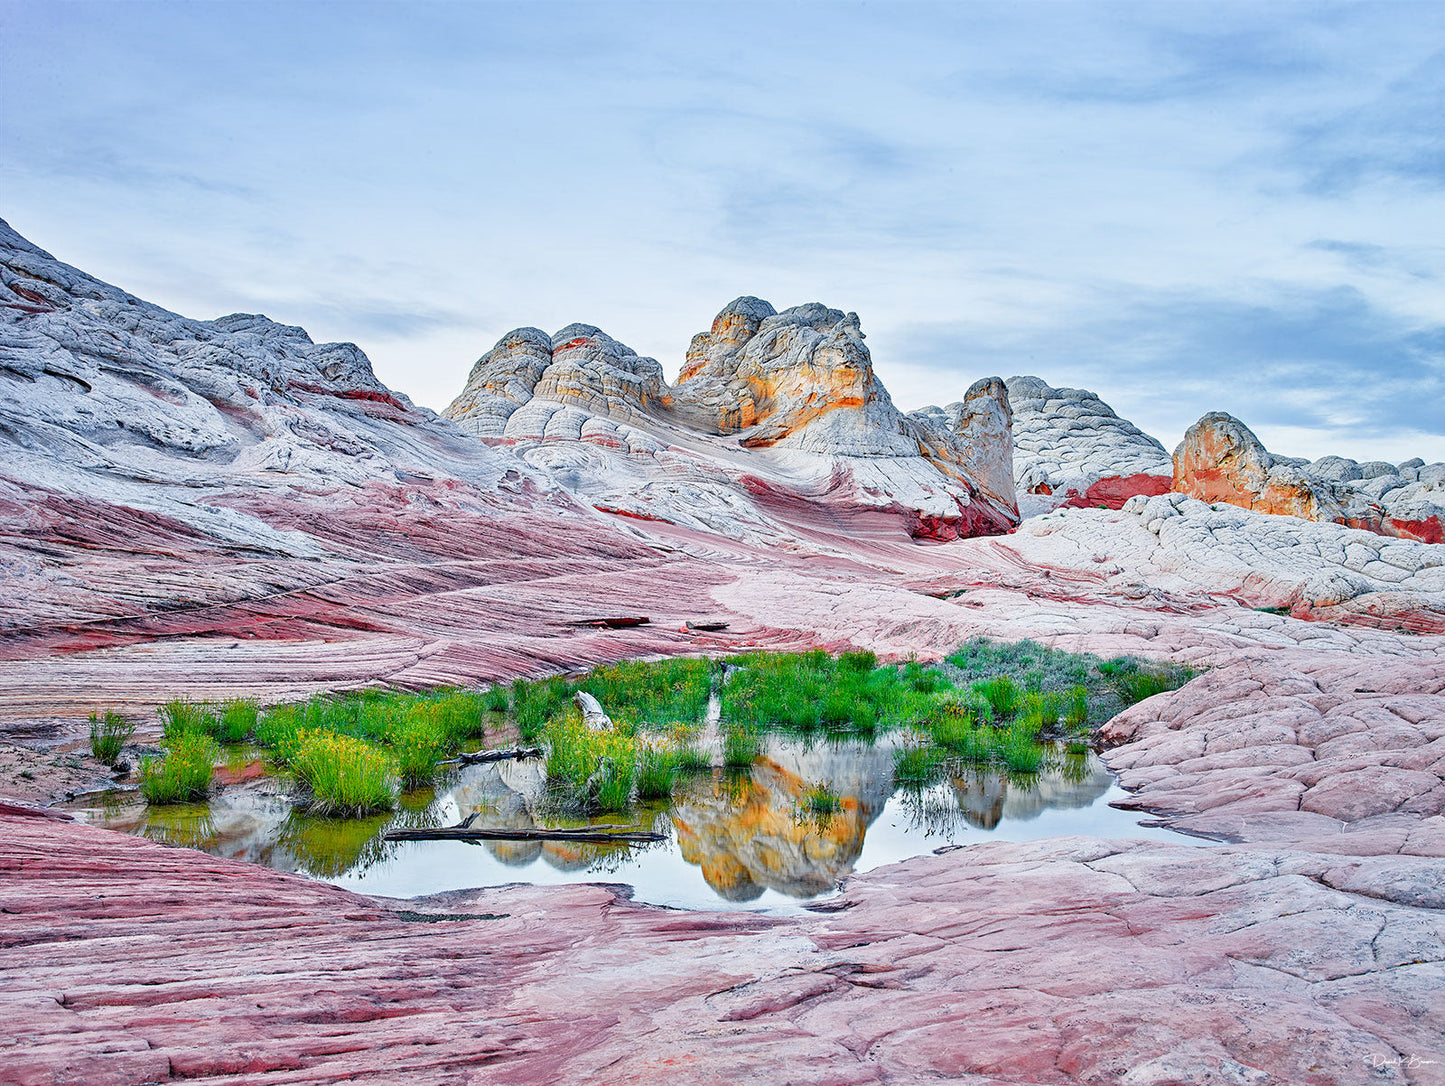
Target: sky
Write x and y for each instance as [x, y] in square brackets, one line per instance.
[1184, 207]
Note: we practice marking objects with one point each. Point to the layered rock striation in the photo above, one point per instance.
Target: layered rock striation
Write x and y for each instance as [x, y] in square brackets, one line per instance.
[212, 509]
[1221, 460]
[1071, 449]
[772, 413]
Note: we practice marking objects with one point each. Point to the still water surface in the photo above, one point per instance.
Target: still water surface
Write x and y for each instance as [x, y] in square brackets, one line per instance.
[735, 839]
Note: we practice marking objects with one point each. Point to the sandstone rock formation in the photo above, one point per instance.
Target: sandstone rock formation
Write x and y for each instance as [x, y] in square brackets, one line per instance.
[1310, 950]
[207, 509]
[1071, 449]
[1312, 570]
[771, 410]
[1221, 459]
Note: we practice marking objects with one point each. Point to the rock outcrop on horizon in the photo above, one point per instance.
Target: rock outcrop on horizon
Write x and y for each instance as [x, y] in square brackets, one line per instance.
[773, 414]
[214, 509]
[1071, 449]
[1221, 460]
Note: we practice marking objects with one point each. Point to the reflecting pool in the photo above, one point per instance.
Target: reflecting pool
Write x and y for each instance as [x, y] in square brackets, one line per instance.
[734, 838]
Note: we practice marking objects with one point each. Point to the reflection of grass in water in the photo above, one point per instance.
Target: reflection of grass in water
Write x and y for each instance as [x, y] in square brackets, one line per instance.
[1074, 765]
[327, 848]
[186, 825]
[929, 810]
[741, 747]
[733, 784]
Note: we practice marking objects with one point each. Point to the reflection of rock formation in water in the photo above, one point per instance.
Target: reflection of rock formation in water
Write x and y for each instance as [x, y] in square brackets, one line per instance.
[747, 834]
[503, 796]
[986, 797]
[511, 795]
[980, 796]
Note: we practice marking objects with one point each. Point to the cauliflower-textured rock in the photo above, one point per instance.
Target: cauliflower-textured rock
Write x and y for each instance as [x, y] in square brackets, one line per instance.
[580, 366]
[783, 408]
[1221, 459]
[1071, 449]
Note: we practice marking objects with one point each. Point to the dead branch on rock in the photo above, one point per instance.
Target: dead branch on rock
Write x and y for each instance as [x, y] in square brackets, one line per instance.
[481, 757]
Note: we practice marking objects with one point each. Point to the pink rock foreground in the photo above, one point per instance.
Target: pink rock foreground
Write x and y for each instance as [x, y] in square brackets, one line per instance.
[208, 509]
[1312, 952]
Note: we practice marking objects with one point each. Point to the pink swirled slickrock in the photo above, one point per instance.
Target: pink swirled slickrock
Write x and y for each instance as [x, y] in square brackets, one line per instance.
[216, 508]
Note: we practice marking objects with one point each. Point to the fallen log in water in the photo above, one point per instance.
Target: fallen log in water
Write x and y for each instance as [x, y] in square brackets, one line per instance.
[591, 835]
[480, 757]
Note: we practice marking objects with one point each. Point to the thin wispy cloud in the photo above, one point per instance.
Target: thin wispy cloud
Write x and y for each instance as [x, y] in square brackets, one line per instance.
[1396, 135]
[1159, 200]
[1325, 360]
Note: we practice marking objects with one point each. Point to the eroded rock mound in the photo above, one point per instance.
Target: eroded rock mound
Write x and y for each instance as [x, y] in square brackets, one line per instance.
[775, 416]
[105, 397]
[803, 379]
[1221, 460]
[1071, 449]
[169, 478]
[577, 385]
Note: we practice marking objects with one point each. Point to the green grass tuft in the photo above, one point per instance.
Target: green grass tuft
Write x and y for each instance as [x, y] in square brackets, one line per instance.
[237, 720]
[1076, 710]
[919, 766]
[590, 770]
[187, 718]
[1139, 681]
[109, 732]
[418, 741]
[657, 770]
[346, 775]
[1002, 694]
[184, 774]
[279, 729]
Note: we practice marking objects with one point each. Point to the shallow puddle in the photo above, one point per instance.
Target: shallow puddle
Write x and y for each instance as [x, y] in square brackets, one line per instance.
[738, 838]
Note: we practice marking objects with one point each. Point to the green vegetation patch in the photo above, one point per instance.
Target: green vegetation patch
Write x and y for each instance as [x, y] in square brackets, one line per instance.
[812, 691]
[183, 774]
[988, 704]
[109, 733]
[590, 770]
[346, 775]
